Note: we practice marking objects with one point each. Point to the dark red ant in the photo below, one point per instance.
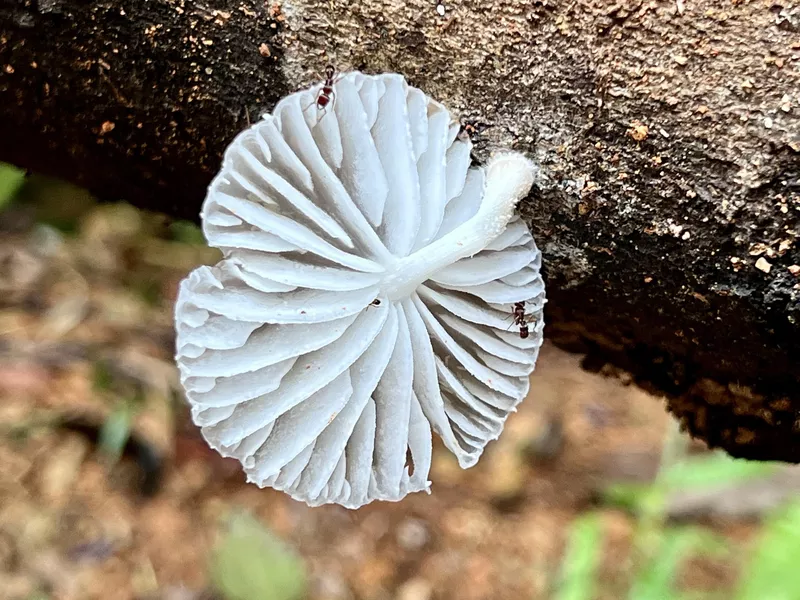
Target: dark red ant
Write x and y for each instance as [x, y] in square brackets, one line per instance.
[518, 314]
[375, 302]
[326, 94]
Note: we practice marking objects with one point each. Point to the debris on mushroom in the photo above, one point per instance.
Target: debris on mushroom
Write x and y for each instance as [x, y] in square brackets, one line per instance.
[375, 289]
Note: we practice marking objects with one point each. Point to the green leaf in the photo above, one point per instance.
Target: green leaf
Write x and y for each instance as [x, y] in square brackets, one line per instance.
[11, 180]
[772, 573]
[115, 431]
[186, 232]
[251, 563]
[581, 559]
[713, 470]
[631, 496]
[655, 580]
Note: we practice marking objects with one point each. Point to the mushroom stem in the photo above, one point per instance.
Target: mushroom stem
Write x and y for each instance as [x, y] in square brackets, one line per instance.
[508, 178]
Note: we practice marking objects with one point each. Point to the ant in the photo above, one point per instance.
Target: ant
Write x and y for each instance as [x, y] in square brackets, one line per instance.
[518, 314]
[375, 302]
[326, 94]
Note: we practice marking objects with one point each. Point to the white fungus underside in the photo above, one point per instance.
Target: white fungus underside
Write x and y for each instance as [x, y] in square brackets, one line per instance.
[287, 364]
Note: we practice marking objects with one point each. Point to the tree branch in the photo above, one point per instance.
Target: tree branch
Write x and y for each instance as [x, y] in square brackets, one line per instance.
[668, 141]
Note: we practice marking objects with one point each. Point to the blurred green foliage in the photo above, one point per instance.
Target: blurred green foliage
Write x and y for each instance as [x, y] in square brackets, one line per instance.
[251, 563]
[116, 430]
[657, 573]
[186, 232]
[53, 202]
[581, 559]
[11, 180]
[661, 550]
[711, 470]
[56, 203]
[772, 572]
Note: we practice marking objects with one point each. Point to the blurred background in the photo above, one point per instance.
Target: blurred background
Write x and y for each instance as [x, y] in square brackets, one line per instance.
[107, 490]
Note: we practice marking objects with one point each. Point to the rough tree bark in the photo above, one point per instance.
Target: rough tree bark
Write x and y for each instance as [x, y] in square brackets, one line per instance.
[667, 133]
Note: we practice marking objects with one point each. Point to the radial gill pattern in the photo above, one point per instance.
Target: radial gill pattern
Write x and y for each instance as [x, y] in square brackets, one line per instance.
[365, 299]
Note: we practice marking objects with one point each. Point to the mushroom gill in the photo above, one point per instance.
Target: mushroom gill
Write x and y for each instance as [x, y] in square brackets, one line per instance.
[366, 297]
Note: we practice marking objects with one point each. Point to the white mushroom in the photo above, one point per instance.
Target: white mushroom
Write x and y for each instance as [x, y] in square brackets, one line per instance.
[366, 296]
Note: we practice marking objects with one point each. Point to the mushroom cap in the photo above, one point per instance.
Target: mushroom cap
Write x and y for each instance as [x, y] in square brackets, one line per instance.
[365, 298]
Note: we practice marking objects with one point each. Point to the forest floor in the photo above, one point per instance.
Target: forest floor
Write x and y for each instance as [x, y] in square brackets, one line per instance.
[86, 373]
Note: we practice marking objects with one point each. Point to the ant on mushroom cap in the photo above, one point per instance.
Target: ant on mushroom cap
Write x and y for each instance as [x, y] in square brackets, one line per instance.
[518, 314]
[326, 94]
